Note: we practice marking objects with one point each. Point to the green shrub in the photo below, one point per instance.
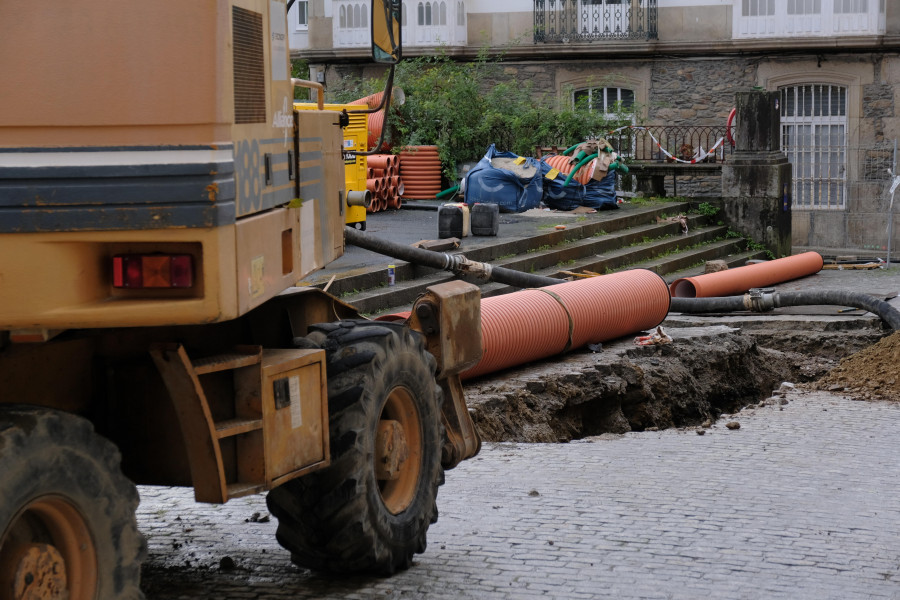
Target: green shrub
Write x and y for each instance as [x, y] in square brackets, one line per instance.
[464, 107]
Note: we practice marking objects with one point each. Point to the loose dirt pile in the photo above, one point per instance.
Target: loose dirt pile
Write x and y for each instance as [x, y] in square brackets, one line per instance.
[870, 373]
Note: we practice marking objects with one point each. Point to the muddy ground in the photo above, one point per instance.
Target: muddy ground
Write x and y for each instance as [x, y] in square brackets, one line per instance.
[706, 371]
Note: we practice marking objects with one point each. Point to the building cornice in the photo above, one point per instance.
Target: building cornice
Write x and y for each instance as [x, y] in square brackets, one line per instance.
[624, 49]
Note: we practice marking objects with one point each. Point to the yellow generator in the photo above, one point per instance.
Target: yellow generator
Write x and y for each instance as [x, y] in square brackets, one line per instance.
[355, 137]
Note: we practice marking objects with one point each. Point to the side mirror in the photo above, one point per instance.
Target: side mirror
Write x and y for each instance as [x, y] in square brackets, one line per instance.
[386, 19]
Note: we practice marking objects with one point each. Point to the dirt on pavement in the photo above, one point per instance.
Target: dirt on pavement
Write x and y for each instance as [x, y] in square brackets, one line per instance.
[705, 372]
[870, 374]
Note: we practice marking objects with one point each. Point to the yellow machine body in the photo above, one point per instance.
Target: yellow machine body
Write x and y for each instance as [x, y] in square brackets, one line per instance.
[355, 137]
[208, 159]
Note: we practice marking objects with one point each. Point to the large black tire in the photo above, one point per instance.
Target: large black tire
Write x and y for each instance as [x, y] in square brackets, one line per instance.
[64, 501]
[344, 518]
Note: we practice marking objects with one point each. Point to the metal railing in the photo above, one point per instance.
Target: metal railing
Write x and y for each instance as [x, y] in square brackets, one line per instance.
[594, 20]
[672, 143]
[693, 153]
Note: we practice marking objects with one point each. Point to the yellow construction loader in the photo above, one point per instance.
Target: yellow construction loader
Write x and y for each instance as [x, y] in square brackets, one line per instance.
[160, 198]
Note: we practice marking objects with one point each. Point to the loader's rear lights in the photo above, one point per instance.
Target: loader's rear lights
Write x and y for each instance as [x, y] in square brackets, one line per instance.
[142, 271]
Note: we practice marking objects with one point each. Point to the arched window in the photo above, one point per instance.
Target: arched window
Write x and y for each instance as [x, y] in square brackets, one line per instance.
[460, 14]
[356, 19]
[364, 17]
[428, 13]
[403, 15]
[443, 13]
[343, 17]
[610, 100]
[421, 10]
[814, 137]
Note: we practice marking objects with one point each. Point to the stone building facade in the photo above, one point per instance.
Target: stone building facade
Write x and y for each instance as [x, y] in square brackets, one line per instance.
[836, 64]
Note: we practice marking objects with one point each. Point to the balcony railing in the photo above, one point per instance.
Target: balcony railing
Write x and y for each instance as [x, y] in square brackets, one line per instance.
[680, 144]
[594, 20]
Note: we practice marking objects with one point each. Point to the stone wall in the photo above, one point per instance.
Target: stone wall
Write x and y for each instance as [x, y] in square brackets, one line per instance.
[701, 91]
[673, 91]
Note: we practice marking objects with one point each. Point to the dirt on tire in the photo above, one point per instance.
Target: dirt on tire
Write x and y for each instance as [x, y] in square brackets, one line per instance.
[345, 518]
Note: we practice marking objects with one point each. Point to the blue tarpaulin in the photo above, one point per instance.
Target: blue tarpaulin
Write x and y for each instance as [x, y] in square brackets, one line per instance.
[595, 194]
[487, 184]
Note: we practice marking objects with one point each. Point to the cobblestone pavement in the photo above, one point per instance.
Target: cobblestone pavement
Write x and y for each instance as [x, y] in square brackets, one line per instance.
[803, 501]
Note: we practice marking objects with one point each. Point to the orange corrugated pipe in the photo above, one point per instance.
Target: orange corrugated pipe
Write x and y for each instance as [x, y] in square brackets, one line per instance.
[375, 125]
[370, 101]
[537, 323]
[398, 97]
[561, 163]
[741, 279]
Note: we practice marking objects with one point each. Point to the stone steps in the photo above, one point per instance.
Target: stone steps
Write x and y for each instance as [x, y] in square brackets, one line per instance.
[643, 238]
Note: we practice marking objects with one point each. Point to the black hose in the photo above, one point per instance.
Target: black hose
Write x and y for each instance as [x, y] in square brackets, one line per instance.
[456, 263]
[764, 302]
[708, 305]
[757, 301]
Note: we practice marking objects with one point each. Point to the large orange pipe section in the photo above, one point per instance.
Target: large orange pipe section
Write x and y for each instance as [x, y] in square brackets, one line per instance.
[741, 279]
[537, 323]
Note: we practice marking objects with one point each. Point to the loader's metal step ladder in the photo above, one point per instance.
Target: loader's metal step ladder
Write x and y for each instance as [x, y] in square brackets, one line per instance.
[221, 418]
[251, 418]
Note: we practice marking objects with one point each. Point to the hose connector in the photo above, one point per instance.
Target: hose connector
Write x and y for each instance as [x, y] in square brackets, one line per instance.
[478, 270]
[760, 299]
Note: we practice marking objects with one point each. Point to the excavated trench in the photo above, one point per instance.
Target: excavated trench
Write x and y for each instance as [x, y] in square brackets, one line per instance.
[706, 371]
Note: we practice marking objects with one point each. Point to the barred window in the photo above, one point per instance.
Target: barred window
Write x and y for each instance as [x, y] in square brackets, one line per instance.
[814, 137]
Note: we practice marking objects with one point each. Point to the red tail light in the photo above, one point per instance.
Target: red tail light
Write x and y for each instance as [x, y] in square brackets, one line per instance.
[141, 271]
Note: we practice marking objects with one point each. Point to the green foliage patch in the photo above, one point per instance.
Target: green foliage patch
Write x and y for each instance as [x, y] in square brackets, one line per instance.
[463, 107]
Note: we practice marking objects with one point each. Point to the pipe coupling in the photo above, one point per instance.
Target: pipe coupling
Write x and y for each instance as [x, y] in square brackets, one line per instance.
[363, 198]
[476, 269]
[760, 299]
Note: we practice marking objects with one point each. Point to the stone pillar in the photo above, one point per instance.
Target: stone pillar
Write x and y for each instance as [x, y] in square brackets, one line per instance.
[756, 179]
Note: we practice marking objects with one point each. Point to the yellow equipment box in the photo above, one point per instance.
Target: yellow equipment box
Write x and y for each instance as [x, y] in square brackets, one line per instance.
[356, 135]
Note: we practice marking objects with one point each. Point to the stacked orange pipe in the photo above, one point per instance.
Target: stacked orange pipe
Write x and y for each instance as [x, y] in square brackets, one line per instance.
[420, 171]
[741, 279]
[383, 182]
[537, 323]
